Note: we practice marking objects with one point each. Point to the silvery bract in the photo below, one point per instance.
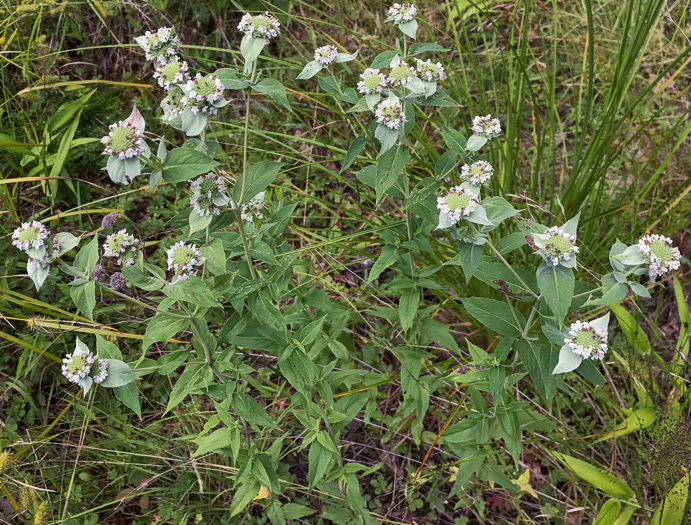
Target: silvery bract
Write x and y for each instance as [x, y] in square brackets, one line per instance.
[124, 144]
[557, 245]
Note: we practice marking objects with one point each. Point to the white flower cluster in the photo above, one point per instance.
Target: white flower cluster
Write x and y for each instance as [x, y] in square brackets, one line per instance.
[587, 341]
[430, 71]
[401, 73]
[659, 254]
[373, 81]
[253, 208]
[557, 245]
[208, 193]
[82, 363]
[171, 73]
[30, 236]
[402, 12]
[204, 94]
[457, 203]
[124, 246]
[325, 55]
[487, 126]
[390, 114]
[159, 46]
[478, 173]
[124, 140]
[183, 259]
[263, 26]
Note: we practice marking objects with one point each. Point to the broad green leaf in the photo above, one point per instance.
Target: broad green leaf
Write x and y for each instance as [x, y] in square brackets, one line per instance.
[192, 290]
[83, 293]
[596, 476]
[198, 222]
[255, 180]
[454, 140]
[143, 279]
[353, 151]
[182, 164]
[119, 374]
[539, 360]
[185, 384]
[469, 254]
[218, 439]
[387, 137]
[387, 257]
[608, 513]
[498, 209]
[87, 257]
[310, 69]
[423, 201]
[408, 305]
[383, 60]
[390, 166]
[633, 332]
[319, 459]
[250, 48]
[215, 254]
[408, 28]
[495, 315]
[639, 419]
[161, 328]
[556, 285]
[230, 80]
[445, 163]
[674, 509]
[250, 410]
[275, 90]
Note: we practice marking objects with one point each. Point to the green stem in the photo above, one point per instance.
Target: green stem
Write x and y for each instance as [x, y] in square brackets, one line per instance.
[531, 317]
[247, 127]
[245, 244]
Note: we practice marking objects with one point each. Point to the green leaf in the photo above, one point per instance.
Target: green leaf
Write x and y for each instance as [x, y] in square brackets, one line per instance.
[608, 513]
[87, 257]
[215, 254]
[674, 509]
[127, 394]
[639, 419]
[255, 180]
[407, 308]
[596, 476]
[383, 60]
[539, 361]
[345, 57]
[475, 142]
[230, 80]
[331, 85]
[423, 202]
[387, 257]
[218, 439]
[250, 48]
[498, 209]
[350, 96]
[248, 409]
[83, 293]
[416, 49]
[182, 164]
[469, 254]
[633, 332]
[191, 290]
[67, 241]
[119, 374]
[455, 140]
[310, 69]
[589, 371]
[319, 459]
[185, 384]
[142, 279]
[556, 285]
[161, 328]
[275, 90]
[495, 315]
[390, 166]
[445, 163]
[387, 137]
[198, 222]
[408, 28]
[568, 361]
[353, 151]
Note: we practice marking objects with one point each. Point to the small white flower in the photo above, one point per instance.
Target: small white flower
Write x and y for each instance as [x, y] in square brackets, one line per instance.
[159, 46]
[124, 140]
[77, 365]
[208, 193]
[204, 205]
[173, 104]
[457, 203]
[99, 370]
[263, 26]
[487, 126]
[659, 254]
[172, 72]
[30, 235]
[183, 258]
[401, 73]
[587, 341]
[325, 55]
[429, 71]
[372, 82]
[557, 247]
[390, 113]
[402, 13]
[37, 263]
[204, 94]
[253, 208]
[124, 246]
[477, 173]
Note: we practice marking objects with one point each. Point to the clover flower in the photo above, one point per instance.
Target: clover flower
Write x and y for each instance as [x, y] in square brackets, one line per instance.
[109, 220]
[430, 71]
[253, 208]
[159, 46]
[487, 126]
[77, 365]
[401, 73]
[477, 173]
[372, 82]
[457, 203]
[557, 247]
[390, 114]
[204, 94]
[30, 236]
[659, 255]
[117, 281]
[325, 55]
[99, 274]
[587, 341]
[402, 12]
[263, 26]
[124, 140]
[182, 259]
[99, 370]
[172, 72]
